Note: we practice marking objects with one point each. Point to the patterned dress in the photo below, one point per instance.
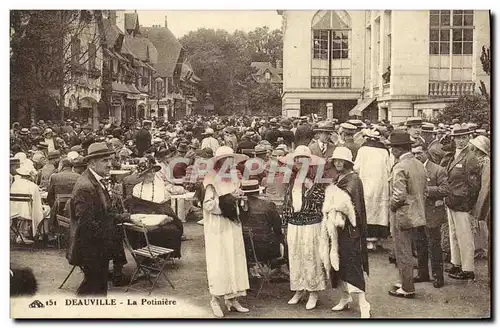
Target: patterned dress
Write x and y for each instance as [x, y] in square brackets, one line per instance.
[302, 210]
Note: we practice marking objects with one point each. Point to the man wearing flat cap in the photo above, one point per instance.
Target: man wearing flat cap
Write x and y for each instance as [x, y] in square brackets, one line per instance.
[94, 238]
[414, 129]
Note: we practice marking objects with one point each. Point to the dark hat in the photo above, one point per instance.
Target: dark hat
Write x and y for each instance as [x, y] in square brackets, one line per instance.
[206, 152]
[286, 123]
[325, 126]
[249, 186]
[53, 154]
[147, 164]
[399, 138]
[98, 150]
[182, 148]
[413, 121]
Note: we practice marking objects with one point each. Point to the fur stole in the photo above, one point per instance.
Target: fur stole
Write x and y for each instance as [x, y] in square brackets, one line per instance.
[337, 207]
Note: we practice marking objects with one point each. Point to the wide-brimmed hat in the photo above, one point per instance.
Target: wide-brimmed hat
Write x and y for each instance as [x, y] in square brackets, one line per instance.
[225, 152]
[165, 152]
[371, 133]
[146, 165]
[250, 186]
[325, 126]
[53, 154]
[357, 123]
[259, 150]
[428, 128]
[208, 131]
[98, 150]
[400, 138]
[482, 143]
[460, 130]
[283, 148]
[348, 127]
[23, 170]
[343, 153]
[273, 121]
[146, 122]
[414, 121]
[302, 151]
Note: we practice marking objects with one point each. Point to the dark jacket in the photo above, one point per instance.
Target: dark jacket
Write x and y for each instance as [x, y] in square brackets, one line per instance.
[245, 144]
[142, 141]
[437, 189]
[93, 231]
[61, 183]
[464, 179]
[272, 136]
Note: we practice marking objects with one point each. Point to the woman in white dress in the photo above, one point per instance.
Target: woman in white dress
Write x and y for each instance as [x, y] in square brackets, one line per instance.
[373, 167]
[302, 206]
[225, 250]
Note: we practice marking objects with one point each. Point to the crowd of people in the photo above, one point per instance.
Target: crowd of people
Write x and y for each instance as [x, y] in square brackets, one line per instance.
[311, 197]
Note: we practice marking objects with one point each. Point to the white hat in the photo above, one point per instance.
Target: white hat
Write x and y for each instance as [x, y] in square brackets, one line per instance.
[21, 157]
[225, 151]
[24, 170]
[343, 153]
[371, 133]
[72, 155]
[209, 131]
[302, 151]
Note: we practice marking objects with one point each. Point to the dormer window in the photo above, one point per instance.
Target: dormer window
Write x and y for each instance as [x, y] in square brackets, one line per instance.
[267, 76]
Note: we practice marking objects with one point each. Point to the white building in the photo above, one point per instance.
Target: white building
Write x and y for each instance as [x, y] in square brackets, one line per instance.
[381, 64]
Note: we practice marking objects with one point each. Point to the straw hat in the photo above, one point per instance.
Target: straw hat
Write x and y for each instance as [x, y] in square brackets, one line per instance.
[371, 133]
[23, 170]
[482, 143]
[460, 130]
[98, 150]
[208, 131]
[343, 153]
[225, 152]
[302, 151]
[249, 186]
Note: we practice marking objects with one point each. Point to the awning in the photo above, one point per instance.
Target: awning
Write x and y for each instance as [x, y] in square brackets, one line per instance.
[359, 108]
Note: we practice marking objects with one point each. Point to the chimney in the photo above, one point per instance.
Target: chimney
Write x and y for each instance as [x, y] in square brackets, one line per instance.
[166, 22]
[278, 63]
[112, 17]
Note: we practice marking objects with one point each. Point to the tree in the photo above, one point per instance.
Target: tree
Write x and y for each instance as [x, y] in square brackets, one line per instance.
[469, 108]
[47, 56]
[264, 99]
[222, 61]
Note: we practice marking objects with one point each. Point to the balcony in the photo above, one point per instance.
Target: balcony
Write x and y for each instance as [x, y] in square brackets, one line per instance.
[450, 89]
[336, 82]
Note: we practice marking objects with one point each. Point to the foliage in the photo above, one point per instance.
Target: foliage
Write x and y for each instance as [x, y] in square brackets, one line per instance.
[41, 56]
[222, 61]
[263, 98]
[473, 108]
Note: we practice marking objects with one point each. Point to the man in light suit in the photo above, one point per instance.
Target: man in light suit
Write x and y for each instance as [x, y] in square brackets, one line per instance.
[464, 179]
[408, 186]
[94, 238]
[435, 216]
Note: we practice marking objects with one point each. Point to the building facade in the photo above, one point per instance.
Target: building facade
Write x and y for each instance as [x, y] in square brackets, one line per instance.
[381, 64]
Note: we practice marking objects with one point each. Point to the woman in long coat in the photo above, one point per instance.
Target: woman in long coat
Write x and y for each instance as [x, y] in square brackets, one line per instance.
[373, 167]
[225, 250]
[343, 243]
[302, 205]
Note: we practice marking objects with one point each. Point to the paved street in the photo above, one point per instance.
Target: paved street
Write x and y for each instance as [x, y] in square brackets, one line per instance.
[456, 300]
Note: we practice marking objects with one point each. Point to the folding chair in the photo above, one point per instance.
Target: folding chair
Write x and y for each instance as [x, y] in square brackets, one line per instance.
[149, 259]
[61, 221]
[265, 271]
[18, 220]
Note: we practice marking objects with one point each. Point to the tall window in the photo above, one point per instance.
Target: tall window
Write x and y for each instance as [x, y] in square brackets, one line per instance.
[92, 54]
[451, 38]
[75, 52]
[331, 63]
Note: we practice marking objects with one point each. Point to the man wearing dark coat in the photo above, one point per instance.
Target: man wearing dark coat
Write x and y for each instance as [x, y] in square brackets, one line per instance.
[94, 236]
[429, 237]
[272, 134]
[143, 138]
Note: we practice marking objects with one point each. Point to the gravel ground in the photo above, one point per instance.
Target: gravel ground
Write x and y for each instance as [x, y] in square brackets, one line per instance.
[457, 299]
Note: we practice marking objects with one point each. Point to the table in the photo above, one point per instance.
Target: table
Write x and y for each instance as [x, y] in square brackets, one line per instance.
[179, 204]
[129, 167]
